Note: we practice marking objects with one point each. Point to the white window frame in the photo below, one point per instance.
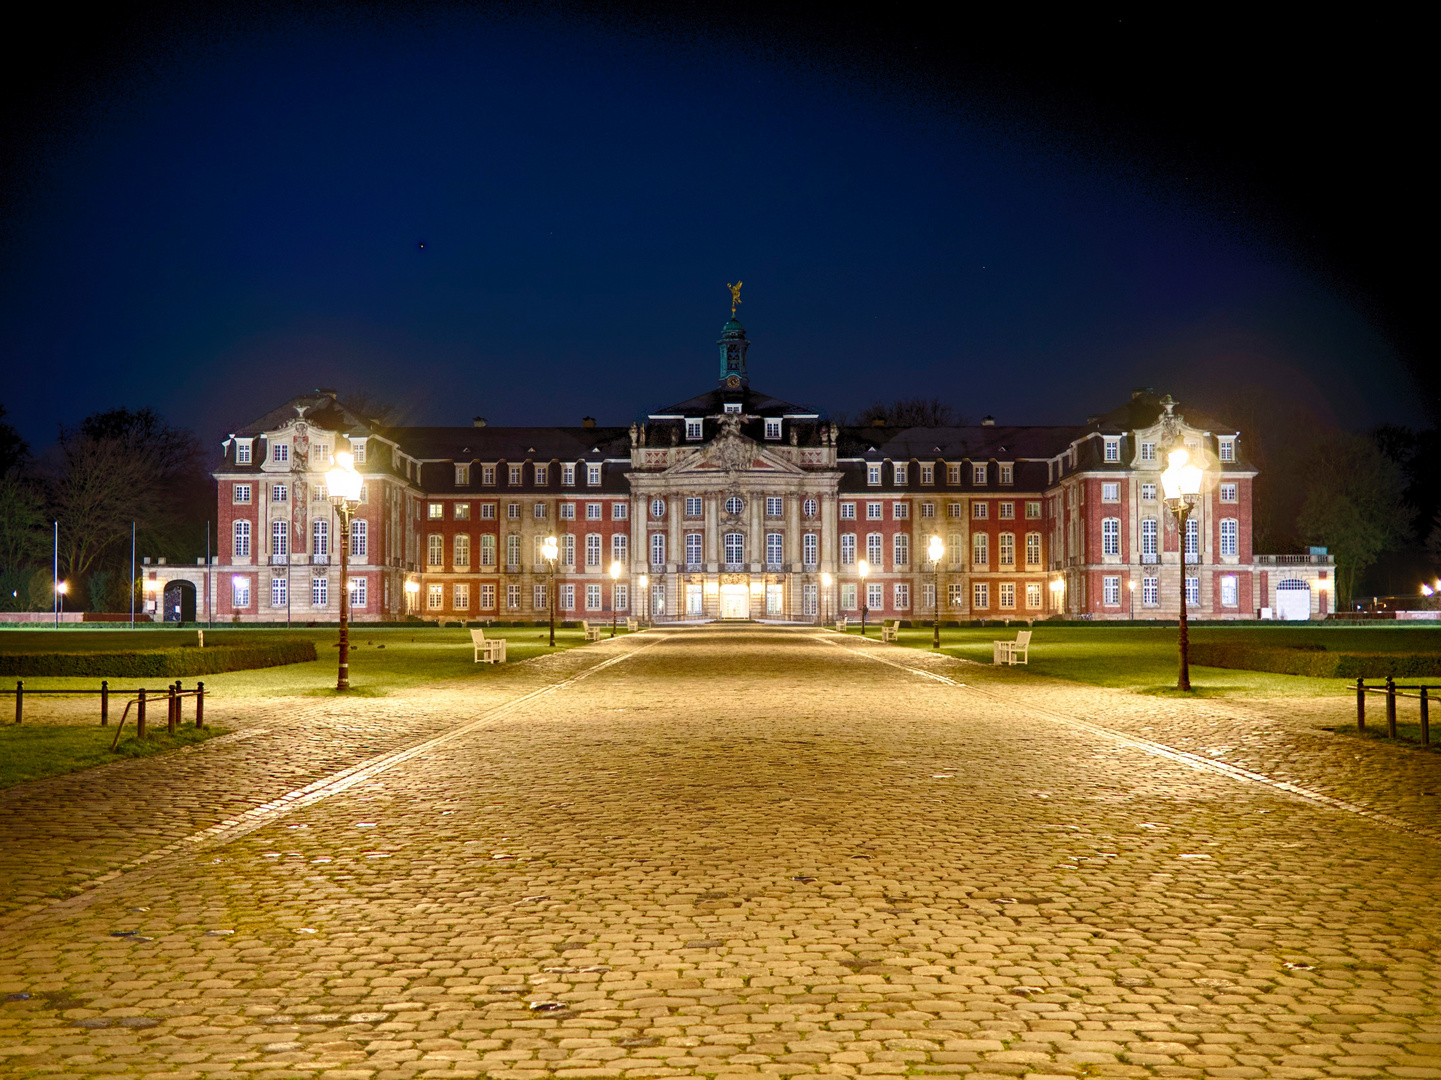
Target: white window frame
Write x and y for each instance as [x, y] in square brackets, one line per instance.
[1111, 536]
[241, 495]
[694, 428]
[243, 453]
[1230, 537]
[773, 429]
[657, 549]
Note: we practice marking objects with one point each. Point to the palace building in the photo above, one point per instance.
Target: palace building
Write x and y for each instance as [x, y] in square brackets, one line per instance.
[737, 505]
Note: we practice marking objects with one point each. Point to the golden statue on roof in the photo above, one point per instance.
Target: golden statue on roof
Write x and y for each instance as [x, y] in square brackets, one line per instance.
[735, 295]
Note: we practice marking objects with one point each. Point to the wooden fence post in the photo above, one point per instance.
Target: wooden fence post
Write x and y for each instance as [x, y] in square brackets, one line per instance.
[104, 702]
[1425, 718]
[140, 714]
[200, 704]
[174, 706]
[1360, 704]
[19, 700]
[1390, 707]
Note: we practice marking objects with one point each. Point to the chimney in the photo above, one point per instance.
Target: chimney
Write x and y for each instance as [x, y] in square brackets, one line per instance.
[326, 390]
[477, 421]
[988, 421]
[587, 421]
[1141, 390]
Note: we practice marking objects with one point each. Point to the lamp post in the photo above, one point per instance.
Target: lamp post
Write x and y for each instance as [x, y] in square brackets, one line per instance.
[1131, 587]
[1181, 483]
[550, 550]
[615, 569]
[61, 588]
[826, 580]
[935, 551]
[643, 583]
[342, 483]
[863, 568]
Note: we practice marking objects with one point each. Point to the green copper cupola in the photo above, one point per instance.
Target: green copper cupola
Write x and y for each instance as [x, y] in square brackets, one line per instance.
[733, 346]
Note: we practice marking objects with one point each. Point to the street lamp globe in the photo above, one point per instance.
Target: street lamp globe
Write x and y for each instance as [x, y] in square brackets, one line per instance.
[341, 479]
[1181, 478]
[549, 548]
[935, 549]
[1181, 484]
[342, 485]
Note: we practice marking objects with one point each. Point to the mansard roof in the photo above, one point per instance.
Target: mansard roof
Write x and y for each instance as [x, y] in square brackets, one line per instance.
[512, 443]
[979, 443]
[321, 409]
[753, 403]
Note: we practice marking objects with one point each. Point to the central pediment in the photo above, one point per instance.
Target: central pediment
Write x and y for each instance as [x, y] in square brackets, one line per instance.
[731, 453]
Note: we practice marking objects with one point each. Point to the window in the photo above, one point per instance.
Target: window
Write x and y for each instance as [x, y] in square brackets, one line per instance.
[848, 511]
[774, 506]
[810, 549]
[900, 511]
[566, 596]
[241, 546]
[980, 550]
[1007, 591]
[848, 597]
[242, 494]
[358, 592]
[279, 493]
[322, 453]
[928, 474]
[1033, 594]
[901, 549]
[774, 545]
[567, 475]
[620, 547]
[592, 511]
[512, 596]
[1111, 591]
[873, 474]
[733, 406]
[460, 511]
[848, 549]
[487, 549]
[1227, 448]
[956, 547]
[280, 538]
[619, 511]
[1148, 451]
[873, 511]
[693, 429]
[1193, 590]
[320, 592]
[514, 475]
[1228, 591]
[487, 598]
[928, 510]
[734, 548]
[657, 589]
[980, 511]
[460, 596]
[435, 550]
[434, 597]
[1033, 549]
[978, 474]
[487, 511]
[692, 506]
[809, 508]
[240, 591]
[734, 505]
[1033, 510]
[512, 550]
[622, 597]
[901, 596]
[242, 453]
[875, 595]
[540, 511]
[1006, 475]
[1007, 549]
[1193, 539]
[320, 540]
[873, 550]
[359, 539]
[1148, 492]
[512, 511]
[955, 595]
[953, 474]
[1007, 511]
[542, 475]
[693, 541]
[980, 595]
[462, 475]
[279, 592]
[567, 511]
[1150, 591]
[1113, 449]
[956, 509]
[592, 549]
[567, 549]
[773, 429]
[1111, 536]
[1148, 540]
[1230, 544]
[657, 508]
[281, 453]
[364, 494]
[1228, 493]
[592, 475]
[539, 601]
[810, 600]
[592, 598]
[657, 549]
[902, 474]
[1110, 492]
[436, 511]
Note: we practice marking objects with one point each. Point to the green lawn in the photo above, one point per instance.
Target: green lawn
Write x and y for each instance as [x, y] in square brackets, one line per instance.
[1144, 658]
[33, 751]
[381, 659]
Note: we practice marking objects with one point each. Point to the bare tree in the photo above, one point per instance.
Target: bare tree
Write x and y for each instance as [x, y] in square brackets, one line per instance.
[907, 412]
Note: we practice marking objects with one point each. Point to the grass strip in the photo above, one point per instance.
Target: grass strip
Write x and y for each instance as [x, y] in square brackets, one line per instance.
[35, 751]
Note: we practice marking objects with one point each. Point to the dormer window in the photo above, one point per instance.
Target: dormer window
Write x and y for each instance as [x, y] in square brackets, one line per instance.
[928, 474]
[1227, 448]
[357, 447]
[733, 407]
[873, 474]
[592, 475]
[1007, 474]
[902, 474]
[542, 475]
[693, 428]
[978, 475]
[462, 476]
[1148, 451]
[773, 429]
[1113, 449]
[242, 451]
[567, 475]
[322, 453]
[280, 453]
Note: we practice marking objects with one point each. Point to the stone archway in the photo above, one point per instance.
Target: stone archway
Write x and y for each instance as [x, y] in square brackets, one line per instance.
[178, 602]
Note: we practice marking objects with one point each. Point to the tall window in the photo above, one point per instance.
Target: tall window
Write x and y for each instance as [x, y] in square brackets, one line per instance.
[692, 506]
[774, 544]
[622, 597]
[978, 474]
[1193, 540]
[1228, 591]
[810, 604]
[435, 550]
[512, 550]
[280, 538]
[358, 592]
[240, 591]
[539, 598]
[567, 475]
[320, 543]
[873, 474]
[592, 549]
[657, 597]
[956, 549]
[1033, 594]
[241, 545]
[514, 474]
[592, 598]
[540, 560]
[1227, 448]
[873, 550]
[955, 594]
[1111, 536]
[774, 506]
[1148, 540]
[567, 549]
[434, 596]
[980, 595]
[657, 549]
[460, 596]
[1006, 474]
[1007, 590]
[242, 451]
[902, 473]
[810, 550]
[1033, 549]
[1230, 535]
[848, 549]
[592, 475]
[848, 597]
[542, 475]
[901, 596]
[734, 548]
[462, 475]
[1113, 449]
[980, 549]
[320, 591]
[620, 547]
[901, 549]
[487, 598]
[512, 597]
[487, 549]
[359, 539]
[875, 595]
[1111, 590]
[1193, 590]
[567, 598]
[279, 592]
[279, 493]
[1151, 591]
[1008, 549]
[693, 542]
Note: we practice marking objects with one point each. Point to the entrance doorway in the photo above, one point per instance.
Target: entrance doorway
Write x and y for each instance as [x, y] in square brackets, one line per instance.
[694, 603]
[1293, 599]
[179, 602]
[735, 602]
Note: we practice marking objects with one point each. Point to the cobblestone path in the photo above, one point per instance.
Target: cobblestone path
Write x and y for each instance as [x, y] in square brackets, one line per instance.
[733, 851]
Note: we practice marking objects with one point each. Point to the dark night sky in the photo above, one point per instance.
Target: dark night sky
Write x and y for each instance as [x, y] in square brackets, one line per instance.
[210, 212]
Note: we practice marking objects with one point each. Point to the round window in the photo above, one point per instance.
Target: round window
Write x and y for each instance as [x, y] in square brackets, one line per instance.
[657, 508]
[809, 507]
[735, 504]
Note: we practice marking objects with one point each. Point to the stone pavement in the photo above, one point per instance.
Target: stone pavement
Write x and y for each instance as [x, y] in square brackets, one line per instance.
[734, 851]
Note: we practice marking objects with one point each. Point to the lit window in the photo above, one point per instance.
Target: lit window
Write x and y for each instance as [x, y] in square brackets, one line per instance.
[1228, 591]
[322, 453]
[436, 511]
[1033, 594]
[240, 591]
[512, 550]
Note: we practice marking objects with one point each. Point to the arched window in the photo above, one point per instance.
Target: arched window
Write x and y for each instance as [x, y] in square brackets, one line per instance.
[279, 537]
[657, 549]
[980, 549]
[242, 539]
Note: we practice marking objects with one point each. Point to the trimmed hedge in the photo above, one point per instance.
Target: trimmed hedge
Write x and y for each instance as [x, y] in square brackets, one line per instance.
[1314, 661]
[142, 663]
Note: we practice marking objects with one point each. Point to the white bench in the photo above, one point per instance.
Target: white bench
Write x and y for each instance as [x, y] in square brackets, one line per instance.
[889, 630]
[1013, 652]
[592, 633]
[492, 648]
[632, 625]
[841, 623]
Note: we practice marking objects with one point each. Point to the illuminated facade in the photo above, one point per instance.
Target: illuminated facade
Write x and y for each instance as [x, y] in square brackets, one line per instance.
[735, 505]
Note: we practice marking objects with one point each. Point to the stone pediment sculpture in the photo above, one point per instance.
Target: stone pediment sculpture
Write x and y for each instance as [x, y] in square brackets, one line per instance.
[732, 453]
